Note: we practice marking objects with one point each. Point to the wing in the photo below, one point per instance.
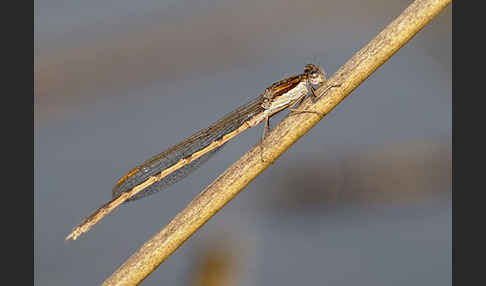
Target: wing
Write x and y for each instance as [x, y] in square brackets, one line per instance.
[282, 86]
[169, 157]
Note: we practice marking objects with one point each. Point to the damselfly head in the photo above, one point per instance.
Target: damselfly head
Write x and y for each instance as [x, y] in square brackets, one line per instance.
[316, 75]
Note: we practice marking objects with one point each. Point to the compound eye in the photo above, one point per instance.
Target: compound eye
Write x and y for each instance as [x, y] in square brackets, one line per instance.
[309, 68]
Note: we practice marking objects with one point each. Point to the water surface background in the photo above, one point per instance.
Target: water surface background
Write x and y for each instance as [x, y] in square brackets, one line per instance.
[364, 197]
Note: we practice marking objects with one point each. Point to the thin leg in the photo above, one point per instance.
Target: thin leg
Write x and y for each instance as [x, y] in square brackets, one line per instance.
[297, 103]
[265, 127]
[311, 90]
[296, 111]
[315, 98]
[264, 134]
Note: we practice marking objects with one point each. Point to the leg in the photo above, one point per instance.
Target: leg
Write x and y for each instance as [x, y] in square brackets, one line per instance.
[315, 98]
[296, 111]
[311, 90]
[297, 103]
[264, 134]
[265, 127]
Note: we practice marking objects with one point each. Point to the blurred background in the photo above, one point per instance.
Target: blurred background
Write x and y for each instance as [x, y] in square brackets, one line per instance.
[364, 197]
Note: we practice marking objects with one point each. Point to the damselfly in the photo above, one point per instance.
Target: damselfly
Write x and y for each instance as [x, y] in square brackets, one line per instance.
[177, 162]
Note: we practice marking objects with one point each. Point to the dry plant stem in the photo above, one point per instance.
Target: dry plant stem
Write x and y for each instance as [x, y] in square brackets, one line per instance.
[234, 179]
